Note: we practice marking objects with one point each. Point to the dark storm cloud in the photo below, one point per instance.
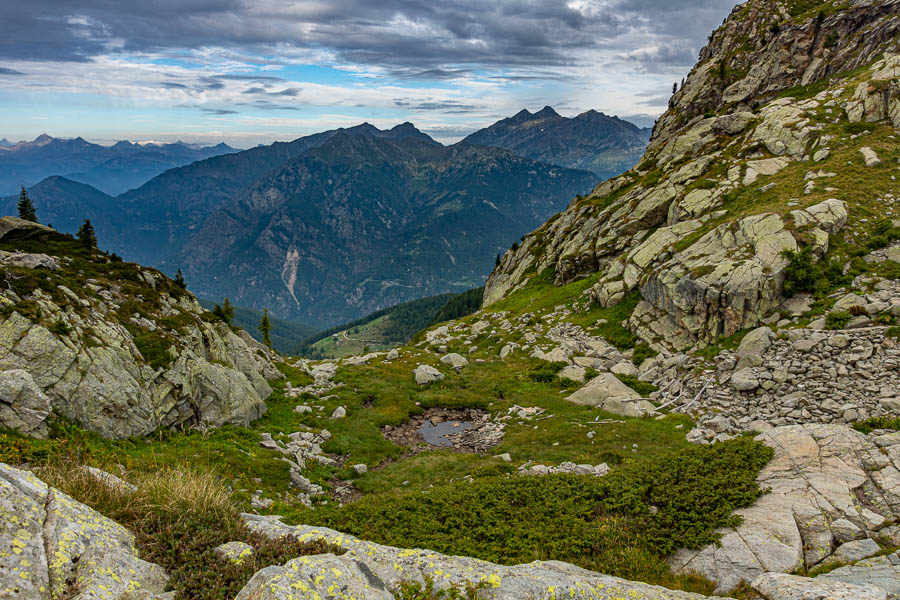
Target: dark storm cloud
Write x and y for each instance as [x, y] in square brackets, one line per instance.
[422, 37]
[5, 71]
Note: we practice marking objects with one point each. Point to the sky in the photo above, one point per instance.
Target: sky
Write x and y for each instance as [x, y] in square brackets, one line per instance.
[256, 71]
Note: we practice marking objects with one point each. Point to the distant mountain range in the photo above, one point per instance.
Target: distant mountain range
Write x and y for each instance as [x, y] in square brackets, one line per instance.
[326, 228]
[606, 146]
[111, 169]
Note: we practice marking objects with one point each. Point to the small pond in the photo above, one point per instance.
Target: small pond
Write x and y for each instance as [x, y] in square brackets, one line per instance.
[436, 435]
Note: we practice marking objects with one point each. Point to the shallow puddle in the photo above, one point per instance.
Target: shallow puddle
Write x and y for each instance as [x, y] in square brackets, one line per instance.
[436, 435]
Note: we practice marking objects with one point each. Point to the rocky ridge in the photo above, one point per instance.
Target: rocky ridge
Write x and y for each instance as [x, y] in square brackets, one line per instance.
[701, 225]
[115, 347]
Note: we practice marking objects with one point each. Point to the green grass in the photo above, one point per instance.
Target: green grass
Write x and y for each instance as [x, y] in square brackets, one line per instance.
[179, 516]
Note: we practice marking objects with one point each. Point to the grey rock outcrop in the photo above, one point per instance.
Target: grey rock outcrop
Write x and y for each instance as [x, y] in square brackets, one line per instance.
[23, 406]
[51, 546]
[820, 474]
[368, 570]
[113, 369]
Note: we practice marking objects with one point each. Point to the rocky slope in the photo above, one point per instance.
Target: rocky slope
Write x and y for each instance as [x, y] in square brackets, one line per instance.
[745, 166]
[113, 346]
[593, 141]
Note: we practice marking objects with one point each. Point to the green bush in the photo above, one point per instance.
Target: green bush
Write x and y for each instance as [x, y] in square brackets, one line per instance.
[893, 332]
[154, 347]
[641, 353]
[869, 425]
[413, 590]
[624, 524]
[546, 372]
[804, 274]
[837, 320]
[641, 387]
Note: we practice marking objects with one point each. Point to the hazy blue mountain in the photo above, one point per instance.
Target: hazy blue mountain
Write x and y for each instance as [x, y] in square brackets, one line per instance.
[111, 169]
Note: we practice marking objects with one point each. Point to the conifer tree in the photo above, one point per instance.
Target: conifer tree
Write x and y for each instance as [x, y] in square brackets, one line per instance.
[228, 311]
[265, 327]
[86, 234]
[179, 280]
[26, 207]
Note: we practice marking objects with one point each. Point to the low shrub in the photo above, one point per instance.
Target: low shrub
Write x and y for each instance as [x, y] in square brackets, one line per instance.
[641, 387]
[623, 524]
[893, 332]
[837, 319]
[857, 310]
[546, 372]
[869, 425]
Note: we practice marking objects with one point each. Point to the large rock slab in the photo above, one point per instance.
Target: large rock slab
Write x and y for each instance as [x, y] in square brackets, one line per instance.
[369, 570]
[53, 546]
[779, 586]
[608, 393]
[820, 474]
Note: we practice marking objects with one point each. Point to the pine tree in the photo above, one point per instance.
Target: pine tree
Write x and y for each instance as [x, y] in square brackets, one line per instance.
[179, 280]
[26, 207]
[86, 235]
[674, 88]
[228, 311]
[265, 327]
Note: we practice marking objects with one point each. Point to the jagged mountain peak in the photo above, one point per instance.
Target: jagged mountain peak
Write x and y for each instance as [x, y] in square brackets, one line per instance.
[592, 141]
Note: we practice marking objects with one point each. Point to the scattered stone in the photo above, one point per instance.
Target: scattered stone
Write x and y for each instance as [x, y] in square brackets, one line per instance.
[426, 374]
[339, 413]
[455, 361]
[360, 469]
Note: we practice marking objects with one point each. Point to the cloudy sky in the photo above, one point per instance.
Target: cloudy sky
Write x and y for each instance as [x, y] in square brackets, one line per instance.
[255, 71]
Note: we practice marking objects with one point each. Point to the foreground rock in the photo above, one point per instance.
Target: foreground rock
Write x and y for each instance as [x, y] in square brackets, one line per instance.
[778, 586]
[372, 571]
[52, 546]
[829, 485]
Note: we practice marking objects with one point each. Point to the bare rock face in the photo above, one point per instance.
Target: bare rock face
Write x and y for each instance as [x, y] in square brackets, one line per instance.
[86, 354]
[368, 570]
[822, 478]
[52, 546]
